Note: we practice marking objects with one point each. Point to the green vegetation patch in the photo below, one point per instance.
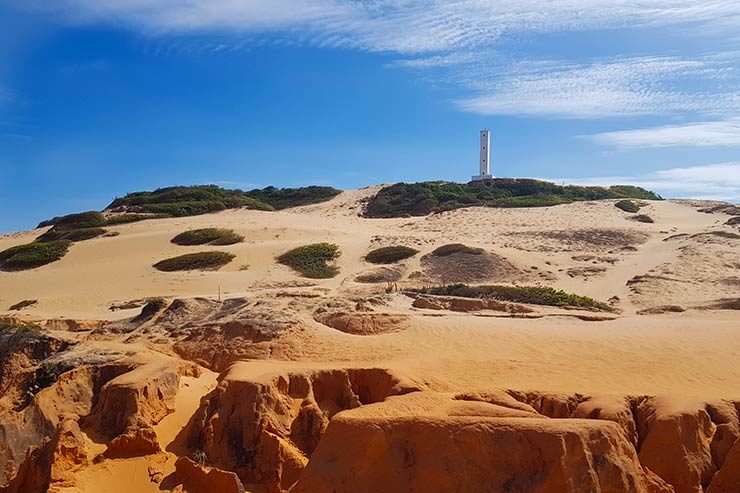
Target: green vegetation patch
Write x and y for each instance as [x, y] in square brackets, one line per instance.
[23, 304]
[208, 236]
[453, 248]
[89, 219]
[312, 260]
[126, 218]
[71, 235]
[202, 199]
[390, 254]
[535, 295]
[195, 261]
[283, 198]
[420, 199]
[627, 206]
[23, 257]
[642, 218]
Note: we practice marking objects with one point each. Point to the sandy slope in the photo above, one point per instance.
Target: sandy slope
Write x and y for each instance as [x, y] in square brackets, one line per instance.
[695, 353]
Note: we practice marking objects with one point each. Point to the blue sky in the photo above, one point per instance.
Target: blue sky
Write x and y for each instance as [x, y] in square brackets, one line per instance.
[103, 97]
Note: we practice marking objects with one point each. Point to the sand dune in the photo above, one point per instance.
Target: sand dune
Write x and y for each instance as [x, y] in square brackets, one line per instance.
[291, 341]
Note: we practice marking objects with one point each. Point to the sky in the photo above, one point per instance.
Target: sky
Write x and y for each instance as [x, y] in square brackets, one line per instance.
[99, 98]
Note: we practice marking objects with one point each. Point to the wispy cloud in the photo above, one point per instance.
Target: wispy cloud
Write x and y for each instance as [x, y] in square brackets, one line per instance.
[712, 181]
[613, 88]
[701, 134]
[403, 26]
[459, 36]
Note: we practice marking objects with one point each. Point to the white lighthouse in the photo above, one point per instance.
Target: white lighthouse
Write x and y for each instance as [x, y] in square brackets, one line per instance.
[485, 156]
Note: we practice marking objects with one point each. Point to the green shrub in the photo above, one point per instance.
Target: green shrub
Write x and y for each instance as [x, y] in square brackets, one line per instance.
[116, 219]
[33, 255]
[23, 304]
[452, 248]
[207, 236]
[419, 199]
[283, 198]
[71, 235]
[195, 261]
[642, 218]
[390, 254]
[89, 219]
[312, 260]
[201, 199]
[627, 206]
[536, 295]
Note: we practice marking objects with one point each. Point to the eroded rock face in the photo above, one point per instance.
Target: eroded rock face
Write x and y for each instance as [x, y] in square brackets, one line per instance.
[457, 304]
[363, 323]
[200, 479]
[675, 442]
[52, 466]
[265, 429]
[474, 454]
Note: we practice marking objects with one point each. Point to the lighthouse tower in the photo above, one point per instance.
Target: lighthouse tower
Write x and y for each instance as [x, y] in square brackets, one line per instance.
[485, 156]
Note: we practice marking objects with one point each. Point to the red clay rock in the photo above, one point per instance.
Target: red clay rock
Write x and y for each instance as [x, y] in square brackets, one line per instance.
[276, 421]
[199, 479]
[727, 480]
[477, 454]
[52, 466]
[675, 442]
[611, 408]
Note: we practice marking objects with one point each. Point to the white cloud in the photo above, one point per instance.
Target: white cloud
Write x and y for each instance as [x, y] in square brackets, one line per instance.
[712, 181]
[404, 26]
[458, 36]
[618, 87]
[701, 134]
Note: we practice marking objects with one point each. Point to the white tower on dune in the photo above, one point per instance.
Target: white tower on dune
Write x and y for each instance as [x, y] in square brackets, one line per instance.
[485, 156]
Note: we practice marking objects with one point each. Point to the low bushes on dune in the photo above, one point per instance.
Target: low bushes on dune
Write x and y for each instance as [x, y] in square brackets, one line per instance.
[627, 206]
[195, 261]
[71, 235]
[642, 218]
[536, 295]
[32, 255]
[420, 199]
[453, 248]
[312, 261]
[208, 236]
[390, 254]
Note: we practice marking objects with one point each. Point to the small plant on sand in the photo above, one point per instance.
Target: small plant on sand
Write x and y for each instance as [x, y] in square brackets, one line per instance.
[535, 295]
[195, 261]
[627, 206]
[642, 218]
[390, 254]
[312, 260]
[207, 236]
[453, 248]
[23, 304]
[33, 255]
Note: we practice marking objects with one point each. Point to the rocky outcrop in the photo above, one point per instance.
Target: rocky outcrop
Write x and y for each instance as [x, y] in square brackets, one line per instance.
[130, 404]
[200, 479]
[458, 304]
[474, 454]
[265, 429]
[52, 466]
[362, 323]
[676, 442]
